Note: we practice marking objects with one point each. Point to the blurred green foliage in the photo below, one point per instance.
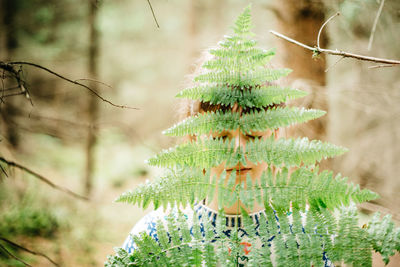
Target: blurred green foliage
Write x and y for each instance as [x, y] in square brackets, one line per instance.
[28, 216]
[29, 221]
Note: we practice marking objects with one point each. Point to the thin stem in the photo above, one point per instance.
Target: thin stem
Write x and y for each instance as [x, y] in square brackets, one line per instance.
[66, 79]
[28, 250]
[334, 64]
[42, 178]
[152, 12]
[371, 37]
[13, 256]
[322, 27]
[337, 52]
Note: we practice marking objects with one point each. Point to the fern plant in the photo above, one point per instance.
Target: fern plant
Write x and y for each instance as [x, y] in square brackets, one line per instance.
[309, 216]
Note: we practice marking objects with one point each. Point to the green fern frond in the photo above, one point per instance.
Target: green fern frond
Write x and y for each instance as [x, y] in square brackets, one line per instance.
[202, 153]
[301, 238]
[210, 152]
[245, 78]
[175, 188]
[226, 95]
[351, 243]
[120, 259]
[383, 235]
[291, 152]
[303, 186]
[231, 41]
[243, 22]
[255, 121]
[250, 59]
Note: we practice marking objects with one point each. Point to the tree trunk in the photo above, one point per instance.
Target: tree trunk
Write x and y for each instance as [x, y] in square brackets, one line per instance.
[301, 20]
[8, 45]
[93, 109]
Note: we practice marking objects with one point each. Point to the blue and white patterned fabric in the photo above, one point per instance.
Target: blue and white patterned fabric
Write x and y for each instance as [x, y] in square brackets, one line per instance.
[148, 224]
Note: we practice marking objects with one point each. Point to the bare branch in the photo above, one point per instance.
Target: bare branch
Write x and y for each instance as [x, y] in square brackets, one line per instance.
[337, 52]
[13, 256]
[380, 66]
[28, 250]
[43, 179]
[16, 74]
[322, 27]
[334, 64]
[9, 64]
[13, 94]
[152, 12]
[9, 89]
[3, 170]
[371, 37]
[93, 80]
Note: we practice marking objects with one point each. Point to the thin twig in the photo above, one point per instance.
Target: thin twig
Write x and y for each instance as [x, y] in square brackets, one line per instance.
[28, 250]
[42, 178]
[380, 66]
[152, 12]
[337, 52]
[13, 94]
[371, 37]
[3, 170]
[10, 89]
[322, 27]
[96, 81]
[68, 80]
[13, 256]
[334, 64]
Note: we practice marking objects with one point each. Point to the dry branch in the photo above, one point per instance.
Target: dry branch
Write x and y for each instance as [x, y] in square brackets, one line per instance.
[42, 178]
[26, 250]
[13, 256]
[337, 52]
[152, 12]
[15, 74]
[9, 67]
[371, 37]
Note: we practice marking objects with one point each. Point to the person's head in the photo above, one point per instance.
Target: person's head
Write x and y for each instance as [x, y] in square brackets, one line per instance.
[192, 108]
[241, 139]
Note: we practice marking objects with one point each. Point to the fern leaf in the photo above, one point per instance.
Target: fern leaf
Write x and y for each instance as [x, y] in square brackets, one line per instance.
[243, 22]
[246, 78]
[303, 186]
[249, 58]
[384, 237]
[351, 244]
[175, 188]
[290, 152]
[255, 98]
[255, 121]
[202, 153]
[212, 152]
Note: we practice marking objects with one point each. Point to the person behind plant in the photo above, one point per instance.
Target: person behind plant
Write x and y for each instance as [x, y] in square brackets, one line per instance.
[251, 196]
[207, 210]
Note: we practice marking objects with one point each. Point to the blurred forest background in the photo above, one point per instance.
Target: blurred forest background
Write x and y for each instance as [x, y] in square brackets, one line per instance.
[65, 133]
